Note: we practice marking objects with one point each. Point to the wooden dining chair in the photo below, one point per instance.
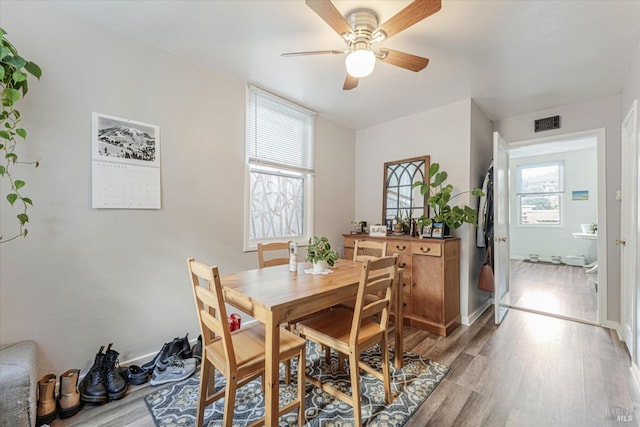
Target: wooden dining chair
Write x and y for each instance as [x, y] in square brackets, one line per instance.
[265, 250]
[352, 332]
[238, 355]
[369, 249]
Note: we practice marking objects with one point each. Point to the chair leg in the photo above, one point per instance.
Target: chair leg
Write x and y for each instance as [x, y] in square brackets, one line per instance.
[355, 387]
[287, 371]
[204, 389]
[327, 354]
[229, 402]
[340, 362]
[302, 382]
[386, 374]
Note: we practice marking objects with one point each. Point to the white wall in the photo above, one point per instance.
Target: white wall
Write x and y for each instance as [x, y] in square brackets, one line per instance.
[86, 277]
[443, 133]
[594, 114]
[580, 173]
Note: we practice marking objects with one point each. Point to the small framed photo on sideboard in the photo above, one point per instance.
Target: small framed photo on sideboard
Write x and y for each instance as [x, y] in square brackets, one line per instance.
[426, 230]
[438, 228]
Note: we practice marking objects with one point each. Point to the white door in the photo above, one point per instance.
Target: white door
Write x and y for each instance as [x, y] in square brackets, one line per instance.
[501, 265]
[628, 218]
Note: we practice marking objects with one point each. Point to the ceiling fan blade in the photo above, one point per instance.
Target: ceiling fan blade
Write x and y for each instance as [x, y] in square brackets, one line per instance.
[329, 14]
[415, 12]
[313, 52]
[350, 82]
[402, 59]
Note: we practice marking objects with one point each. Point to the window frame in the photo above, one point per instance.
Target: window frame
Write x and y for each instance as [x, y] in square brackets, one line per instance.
[251, 164]
[560, 193]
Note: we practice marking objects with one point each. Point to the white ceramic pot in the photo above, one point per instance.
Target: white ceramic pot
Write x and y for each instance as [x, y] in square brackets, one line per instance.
[320, 266]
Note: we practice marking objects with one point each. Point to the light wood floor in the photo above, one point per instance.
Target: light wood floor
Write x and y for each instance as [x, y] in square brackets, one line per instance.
[557, 289]
[532, 370]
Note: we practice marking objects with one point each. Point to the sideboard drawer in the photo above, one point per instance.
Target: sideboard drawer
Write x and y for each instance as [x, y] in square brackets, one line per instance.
[398, 247]
[426, 248]
[350, 242]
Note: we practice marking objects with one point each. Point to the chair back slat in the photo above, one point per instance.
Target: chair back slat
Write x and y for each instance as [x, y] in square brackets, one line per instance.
[276, 247]
[384, 275]
[212, 313]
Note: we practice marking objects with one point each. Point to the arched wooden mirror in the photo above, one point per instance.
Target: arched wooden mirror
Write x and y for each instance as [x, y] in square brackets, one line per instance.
[399, 198]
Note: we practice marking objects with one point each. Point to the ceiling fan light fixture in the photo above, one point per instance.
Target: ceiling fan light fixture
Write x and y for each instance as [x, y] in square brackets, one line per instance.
[360, 63]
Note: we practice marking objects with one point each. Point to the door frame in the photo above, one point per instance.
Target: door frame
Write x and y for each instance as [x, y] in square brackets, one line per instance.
[600, 135]
[629, 204]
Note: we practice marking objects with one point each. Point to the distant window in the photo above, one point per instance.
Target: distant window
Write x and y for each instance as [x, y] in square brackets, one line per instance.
[540, 193]
[280, 170]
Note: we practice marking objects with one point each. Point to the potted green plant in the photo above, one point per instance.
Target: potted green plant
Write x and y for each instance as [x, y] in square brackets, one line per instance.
[402, 223]
[319, 252]
[440, 197]
[14, 71]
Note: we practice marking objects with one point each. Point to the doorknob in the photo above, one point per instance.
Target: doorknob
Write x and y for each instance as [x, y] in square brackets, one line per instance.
[621, 242]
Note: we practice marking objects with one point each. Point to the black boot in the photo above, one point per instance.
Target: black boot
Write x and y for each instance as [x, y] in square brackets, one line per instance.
[92, 387]
[183, 347]
[197, 349]
[116, 385]
[162, 355]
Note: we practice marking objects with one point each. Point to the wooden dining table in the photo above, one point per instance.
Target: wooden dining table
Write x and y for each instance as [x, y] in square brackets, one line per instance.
[274, 295]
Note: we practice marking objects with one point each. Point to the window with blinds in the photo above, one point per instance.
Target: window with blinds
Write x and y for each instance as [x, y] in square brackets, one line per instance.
[540, 193]
[280, 168]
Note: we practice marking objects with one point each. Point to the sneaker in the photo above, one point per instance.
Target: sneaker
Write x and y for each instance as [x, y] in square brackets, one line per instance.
[175, 372]
[174, 360]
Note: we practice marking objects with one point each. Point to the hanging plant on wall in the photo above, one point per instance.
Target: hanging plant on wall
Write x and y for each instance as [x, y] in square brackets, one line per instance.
[13, 86]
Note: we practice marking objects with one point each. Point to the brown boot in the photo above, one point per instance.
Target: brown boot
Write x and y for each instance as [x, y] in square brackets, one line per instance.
[46, 400]
[68, 397]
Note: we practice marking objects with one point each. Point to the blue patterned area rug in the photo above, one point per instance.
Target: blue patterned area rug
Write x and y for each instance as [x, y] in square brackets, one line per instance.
[176, 405]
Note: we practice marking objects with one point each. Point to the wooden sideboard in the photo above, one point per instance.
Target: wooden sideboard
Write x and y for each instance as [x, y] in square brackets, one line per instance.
[430, 280]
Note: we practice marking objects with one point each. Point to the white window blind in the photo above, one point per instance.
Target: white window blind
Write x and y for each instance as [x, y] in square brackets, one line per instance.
[280, 133]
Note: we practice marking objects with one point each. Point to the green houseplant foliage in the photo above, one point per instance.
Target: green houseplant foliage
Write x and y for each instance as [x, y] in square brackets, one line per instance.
[440, 196]
[319, 249]
[13, 86]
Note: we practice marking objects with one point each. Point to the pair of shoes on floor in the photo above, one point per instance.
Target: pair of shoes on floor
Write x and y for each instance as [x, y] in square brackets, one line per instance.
[104, 381]
[173, 369]
[179, 346]
[68, 402]
[134, 374]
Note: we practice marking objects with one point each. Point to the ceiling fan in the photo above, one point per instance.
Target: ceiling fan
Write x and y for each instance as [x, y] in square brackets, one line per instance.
[360, 30]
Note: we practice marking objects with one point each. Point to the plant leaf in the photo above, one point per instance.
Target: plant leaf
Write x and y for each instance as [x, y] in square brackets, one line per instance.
[15, 61]
[11, 156]
[23, 218]
[4, 134]
[11, 198]
[27, 200]
[433, 169]
[21, 132]
[11, 95]
[19, 76]
[2, 170]
[33, 69]
[18, 184]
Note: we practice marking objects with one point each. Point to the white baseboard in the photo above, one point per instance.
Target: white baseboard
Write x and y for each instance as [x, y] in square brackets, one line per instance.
[469, 320]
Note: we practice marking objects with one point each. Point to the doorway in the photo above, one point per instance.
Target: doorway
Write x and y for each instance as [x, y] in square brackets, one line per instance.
[556, 225]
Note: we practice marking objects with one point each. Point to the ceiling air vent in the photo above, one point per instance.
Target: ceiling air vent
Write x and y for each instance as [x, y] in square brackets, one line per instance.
[547, 123]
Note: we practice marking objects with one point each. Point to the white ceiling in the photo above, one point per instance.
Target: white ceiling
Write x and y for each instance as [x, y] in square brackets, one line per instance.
[512, 57]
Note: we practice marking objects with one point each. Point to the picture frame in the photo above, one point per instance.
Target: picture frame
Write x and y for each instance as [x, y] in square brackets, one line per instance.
[426, 230]
[378, 230]
[389, 223]
[438, 230]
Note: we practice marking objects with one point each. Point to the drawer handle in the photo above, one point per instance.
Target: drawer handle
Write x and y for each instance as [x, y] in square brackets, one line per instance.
[427, 251]
[403, 265]
[401, 248]
[404, 304]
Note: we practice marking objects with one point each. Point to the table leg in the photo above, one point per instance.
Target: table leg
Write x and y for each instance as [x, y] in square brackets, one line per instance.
[271, 373]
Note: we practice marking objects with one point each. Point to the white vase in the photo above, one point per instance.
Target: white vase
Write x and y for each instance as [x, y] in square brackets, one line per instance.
[319, 266]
